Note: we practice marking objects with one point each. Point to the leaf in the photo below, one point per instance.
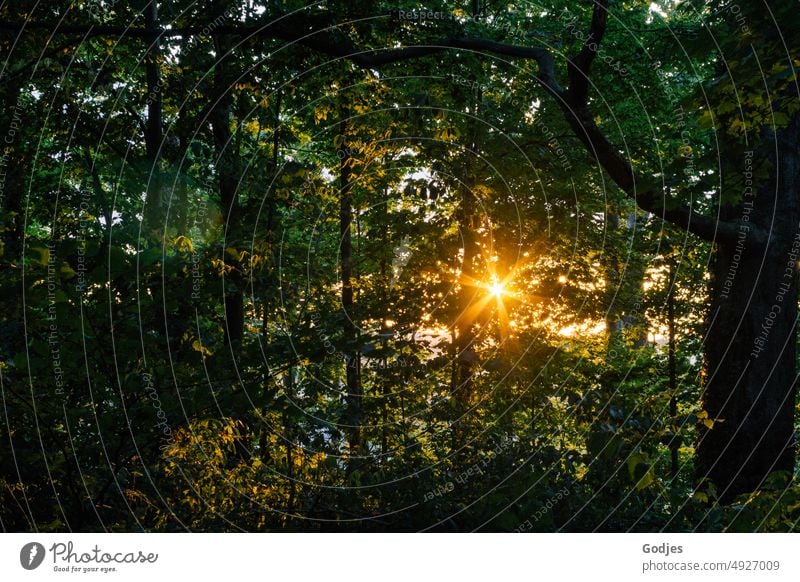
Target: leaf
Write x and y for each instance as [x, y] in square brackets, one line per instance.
[647, 479]
[640, 471]
[634, 460]
[199, 347]
[183, 244]
[780, 119]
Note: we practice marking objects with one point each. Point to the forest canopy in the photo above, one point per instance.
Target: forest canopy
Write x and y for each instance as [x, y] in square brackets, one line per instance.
[383, 266]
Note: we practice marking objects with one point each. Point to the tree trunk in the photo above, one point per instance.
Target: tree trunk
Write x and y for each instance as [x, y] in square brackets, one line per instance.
[465, 357]
[674, 444]
[153, 133]
[228, 178]
[464, 336]
[179, 204]
[12, 167]
[289, 438]
[750, 354]
[352, 359]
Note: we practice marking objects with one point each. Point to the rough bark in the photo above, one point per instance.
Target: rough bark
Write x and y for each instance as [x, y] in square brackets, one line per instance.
[750, 351]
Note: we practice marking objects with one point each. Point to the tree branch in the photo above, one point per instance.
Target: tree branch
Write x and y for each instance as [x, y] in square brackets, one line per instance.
[373, 58]
[575, 107]
[579, 67]
[319, 32]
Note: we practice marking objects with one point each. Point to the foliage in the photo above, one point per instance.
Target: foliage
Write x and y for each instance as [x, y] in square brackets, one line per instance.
[129, 406]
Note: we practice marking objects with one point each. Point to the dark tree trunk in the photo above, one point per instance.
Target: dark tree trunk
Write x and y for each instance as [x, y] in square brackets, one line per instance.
[228, 179]
[12, 166]
[270, 286]
[674, 444]
[153, 132]
[750, 350]
[464, 357]
[350, 332]
[179, 205]
[385, 330]
[289, 438]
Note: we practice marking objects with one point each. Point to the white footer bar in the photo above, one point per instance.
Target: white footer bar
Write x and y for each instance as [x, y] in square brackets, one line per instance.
[400, 557]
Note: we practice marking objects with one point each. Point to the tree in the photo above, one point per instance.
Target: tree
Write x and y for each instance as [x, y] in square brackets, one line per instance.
[750, 381]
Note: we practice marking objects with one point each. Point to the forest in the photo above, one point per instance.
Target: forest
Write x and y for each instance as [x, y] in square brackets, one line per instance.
[369, 266]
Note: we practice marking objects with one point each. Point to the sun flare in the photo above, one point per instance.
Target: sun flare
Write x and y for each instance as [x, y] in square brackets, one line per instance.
[497, 289]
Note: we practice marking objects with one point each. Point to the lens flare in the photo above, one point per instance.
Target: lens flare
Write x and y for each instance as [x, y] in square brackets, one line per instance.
[497, 289]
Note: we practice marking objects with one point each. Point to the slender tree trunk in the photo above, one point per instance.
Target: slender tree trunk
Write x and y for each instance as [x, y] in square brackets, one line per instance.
[270, 287]
[350, 331]
[290, 474]
[153, 128]
[465, 357]
[100, 196]
[464, 336]
[180, 201]
[674, 445]
[612, 269]
[228, 177]
[750, 355]
[276, 143]
[387, 307]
